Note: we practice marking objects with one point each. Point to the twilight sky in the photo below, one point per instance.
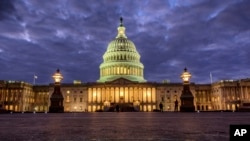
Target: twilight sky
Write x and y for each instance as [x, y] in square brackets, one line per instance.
[39, 36]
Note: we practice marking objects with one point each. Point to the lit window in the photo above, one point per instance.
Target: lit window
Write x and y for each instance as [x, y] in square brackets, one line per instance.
[67, 98]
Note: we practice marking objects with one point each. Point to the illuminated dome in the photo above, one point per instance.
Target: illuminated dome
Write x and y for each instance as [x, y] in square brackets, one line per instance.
[121, 60]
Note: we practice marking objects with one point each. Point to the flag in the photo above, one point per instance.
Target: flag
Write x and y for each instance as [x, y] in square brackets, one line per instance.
[211, 77]
[34, 79]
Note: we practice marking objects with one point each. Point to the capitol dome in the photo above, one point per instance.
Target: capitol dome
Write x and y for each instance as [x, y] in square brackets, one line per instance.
[121, 60]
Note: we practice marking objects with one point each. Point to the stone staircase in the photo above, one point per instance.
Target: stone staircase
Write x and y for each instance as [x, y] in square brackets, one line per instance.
[124, 107]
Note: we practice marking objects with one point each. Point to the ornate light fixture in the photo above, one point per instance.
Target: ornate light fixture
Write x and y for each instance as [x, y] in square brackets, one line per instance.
[186, 76]
[56, 99]
[187, 98]
[57, 76]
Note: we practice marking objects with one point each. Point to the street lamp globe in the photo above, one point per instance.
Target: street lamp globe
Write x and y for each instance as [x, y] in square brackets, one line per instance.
[185, 76]
[57, 76]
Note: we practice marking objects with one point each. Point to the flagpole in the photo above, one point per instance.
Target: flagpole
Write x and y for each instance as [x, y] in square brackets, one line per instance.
[34, 80]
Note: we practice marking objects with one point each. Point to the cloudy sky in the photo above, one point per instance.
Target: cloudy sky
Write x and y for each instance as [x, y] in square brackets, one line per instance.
[39, 36]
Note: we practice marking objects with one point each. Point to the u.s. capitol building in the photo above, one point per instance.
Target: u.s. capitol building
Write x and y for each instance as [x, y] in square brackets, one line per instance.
[122, 83]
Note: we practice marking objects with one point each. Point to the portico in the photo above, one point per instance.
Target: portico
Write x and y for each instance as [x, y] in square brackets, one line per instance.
[142, 96]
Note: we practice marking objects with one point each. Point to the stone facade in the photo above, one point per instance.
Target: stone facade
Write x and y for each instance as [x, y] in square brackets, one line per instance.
[223, 95]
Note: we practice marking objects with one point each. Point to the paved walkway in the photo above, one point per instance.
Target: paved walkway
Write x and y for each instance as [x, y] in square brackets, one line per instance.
[119, 126]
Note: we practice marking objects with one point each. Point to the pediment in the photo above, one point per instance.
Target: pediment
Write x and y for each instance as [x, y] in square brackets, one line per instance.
[121, 81]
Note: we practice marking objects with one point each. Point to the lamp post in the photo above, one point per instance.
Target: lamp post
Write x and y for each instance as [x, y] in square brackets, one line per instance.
[187, 98]
[56, 99]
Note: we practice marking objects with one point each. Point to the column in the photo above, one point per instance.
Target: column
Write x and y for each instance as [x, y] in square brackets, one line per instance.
[94, 94]
[125, 70]
[103, 95]
[129, 95]
[126, 94]
[90, 95]
[116, 94]
[149, 95]
[107, 94]
[137, 71]
[153, 95]
[112, 95]
[227, 93]
[247, 93]
[113, 70]
[140, 93]
[223, 96]
[136, 97]
[121, 69]
[243, 92]
[131, 98]
[144, 97]
[99, 96]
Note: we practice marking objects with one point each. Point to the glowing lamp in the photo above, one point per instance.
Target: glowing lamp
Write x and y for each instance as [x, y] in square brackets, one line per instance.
[57, 76]
[185, 76]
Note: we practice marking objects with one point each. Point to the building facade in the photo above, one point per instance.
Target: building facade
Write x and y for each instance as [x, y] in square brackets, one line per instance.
[223, 95]
[122, 83]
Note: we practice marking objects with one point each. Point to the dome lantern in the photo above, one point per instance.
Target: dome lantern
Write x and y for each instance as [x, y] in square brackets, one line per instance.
[121, 30]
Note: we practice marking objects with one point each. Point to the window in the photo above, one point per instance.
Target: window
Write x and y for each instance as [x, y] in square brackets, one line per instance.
[80, 99]
[74, 99]
[67, 98]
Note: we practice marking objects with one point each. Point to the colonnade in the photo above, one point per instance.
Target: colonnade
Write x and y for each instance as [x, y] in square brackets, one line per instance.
[232, 94]
[236, 93]
[122, 56]
[145, 96]
[121, 70]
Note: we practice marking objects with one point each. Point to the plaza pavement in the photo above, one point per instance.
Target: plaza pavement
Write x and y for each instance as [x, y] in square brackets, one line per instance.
[101, 126]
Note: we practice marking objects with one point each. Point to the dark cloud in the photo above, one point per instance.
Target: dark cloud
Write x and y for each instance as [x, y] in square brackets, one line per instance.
[7, 9]
[204, 36]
